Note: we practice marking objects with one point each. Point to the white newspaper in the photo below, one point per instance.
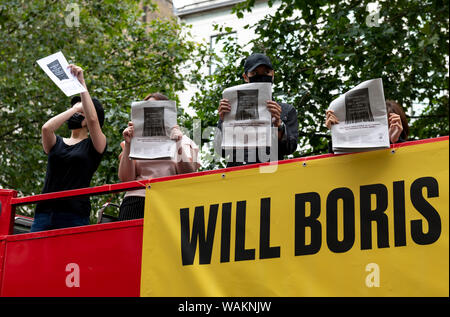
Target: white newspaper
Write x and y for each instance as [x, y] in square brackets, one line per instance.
[153, 121]
[55, 66]
[248, 124]
[363, 123]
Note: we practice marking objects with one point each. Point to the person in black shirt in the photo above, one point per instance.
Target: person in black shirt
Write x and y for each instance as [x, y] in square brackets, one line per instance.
[258, 68]
[71, 161]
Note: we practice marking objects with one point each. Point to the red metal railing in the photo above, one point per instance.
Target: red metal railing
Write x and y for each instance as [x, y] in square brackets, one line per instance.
[9, 199]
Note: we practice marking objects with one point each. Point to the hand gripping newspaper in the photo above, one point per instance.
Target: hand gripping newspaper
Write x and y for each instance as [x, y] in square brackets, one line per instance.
[362, 115]
[248, 124]
[153, 121]
[55, 66]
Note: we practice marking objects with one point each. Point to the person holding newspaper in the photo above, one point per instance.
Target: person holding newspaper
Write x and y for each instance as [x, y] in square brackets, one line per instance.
[397, 122]
[258, 68]
[71, 161]
[132, 206]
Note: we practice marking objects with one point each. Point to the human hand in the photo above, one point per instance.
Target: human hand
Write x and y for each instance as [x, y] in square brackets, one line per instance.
[78, 107]
[128, 133]
[77, 72]
[275, 110]
[224, 108]
[176, 134]
[330, 119]
[395, 127]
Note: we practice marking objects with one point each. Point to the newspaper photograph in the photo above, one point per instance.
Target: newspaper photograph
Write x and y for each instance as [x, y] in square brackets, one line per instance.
[362, 115]
[248, 124]
[153, 121]
[55, 66]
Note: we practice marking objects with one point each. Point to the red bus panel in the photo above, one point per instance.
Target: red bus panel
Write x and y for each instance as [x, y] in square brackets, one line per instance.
[94, 260]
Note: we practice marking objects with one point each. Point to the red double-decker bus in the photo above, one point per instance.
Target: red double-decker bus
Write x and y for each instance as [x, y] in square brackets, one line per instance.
[101, 259]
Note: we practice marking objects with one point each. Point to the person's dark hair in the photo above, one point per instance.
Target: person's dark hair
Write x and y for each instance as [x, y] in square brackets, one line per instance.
[98, 108]
[157, 96]
[392, 106]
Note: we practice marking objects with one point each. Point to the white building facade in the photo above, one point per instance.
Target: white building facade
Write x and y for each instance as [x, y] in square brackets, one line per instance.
[202, 15]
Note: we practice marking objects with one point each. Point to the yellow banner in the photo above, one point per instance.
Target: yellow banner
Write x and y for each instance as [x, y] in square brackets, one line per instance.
[365, 224]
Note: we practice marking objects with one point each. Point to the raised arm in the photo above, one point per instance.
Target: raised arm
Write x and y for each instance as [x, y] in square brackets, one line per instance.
[95, 131]
[48, 129]
[127, 169]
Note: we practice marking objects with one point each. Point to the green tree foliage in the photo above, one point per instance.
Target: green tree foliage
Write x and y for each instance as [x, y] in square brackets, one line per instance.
[123, 59]
[229, 67]
[321, 49]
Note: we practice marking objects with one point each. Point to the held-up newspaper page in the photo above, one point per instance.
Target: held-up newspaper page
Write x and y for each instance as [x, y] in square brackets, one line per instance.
[55, 66]
[153, 120]
[248, 124]
[362, 116]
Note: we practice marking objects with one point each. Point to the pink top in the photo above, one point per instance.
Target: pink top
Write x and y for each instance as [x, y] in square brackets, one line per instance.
[186, 162]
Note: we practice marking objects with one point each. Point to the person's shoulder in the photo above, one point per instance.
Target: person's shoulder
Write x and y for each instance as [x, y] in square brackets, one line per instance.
[91, 146]
[287, 108]
[57, 147]
[285, 105]
[59, 141]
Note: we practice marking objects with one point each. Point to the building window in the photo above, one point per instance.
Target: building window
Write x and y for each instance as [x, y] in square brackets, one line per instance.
[217, 44]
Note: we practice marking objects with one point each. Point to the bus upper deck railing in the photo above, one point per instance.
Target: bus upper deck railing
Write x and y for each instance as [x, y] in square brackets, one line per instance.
[9, 199]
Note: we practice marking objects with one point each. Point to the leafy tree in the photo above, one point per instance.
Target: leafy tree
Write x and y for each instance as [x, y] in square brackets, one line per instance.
[320, 49]
[229, 66]
[123, 58]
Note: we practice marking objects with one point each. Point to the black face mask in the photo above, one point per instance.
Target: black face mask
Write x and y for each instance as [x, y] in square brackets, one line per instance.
[75, 121]
[260, 79]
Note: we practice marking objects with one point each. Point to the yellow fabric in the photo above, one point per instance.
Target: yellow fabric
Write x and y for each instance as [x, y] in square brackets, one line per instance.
[390, 256]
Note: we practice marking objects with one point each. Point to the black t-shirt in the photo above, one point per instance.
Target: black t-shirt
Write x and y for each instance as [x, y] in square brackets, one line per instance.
[70, 167]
